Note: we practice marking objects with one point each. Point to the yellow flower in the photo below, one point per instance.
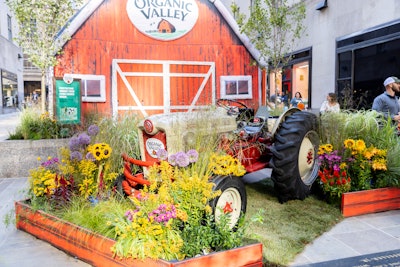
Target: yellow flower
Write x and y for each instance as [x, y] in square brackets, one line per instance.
[343, 165]
[368, 154]
[208, 209]
[379, 164]
[225, 165]
[100, 151]
[360, 145]
[349, 143]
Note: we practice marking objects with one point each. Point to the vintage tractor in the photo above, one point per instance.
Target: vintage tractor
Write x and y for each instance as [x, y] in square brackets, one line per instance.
[283, 148]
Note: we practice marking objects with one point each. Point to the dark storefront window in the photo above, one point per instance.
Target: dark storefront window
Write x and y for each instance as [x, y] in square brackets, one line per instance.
[364, 63]
[8, 88]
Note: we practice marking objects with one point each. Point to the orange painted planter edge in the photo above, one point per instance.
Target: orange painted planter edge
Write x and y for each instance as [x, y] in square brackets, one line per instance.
[370, 201]
[95, 249]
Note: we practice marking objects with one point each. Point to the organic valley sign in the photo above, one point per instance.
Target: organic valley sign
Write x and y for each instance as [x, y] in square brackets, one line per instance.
[163, 19]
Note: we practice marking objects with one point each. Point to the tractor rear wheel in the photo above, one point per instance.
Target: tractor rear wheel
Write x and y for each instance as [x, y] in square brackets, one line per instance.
[232, 201]
[295, 156]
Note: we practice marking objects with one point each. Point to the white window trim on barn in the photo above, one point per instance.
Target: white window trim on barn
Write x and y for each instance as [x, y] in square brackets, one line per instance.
[166, 75]
[225, 80]
[89, 77]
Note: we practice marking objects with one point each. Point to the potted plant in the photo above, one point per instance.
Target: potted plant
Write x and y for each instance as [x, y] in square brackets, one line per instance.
[359, 158]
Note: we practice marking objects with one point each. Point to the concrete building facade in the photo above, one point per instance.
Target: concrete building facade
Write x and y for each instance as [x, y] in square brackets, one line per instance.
[349, 47]
[11, 61]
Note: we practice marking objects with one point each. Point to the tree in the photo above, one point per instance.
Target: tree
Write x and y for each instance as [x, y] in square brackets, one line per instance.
[273, 27]
[39, 23]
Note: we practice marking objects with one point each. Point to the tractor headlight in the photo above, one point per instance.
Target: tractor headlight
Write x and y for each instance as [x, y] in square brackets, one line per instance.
[149, 127]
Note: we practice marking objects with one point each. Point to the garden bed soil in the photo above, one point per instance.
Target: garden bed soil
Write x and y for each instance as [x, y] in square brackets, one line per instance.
[95, 249]
[370, 201]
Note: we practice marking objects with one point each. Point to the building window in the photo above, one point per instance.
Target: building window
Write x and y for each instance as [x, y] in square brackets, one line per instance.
[236, 87]
[93, 87]
[9, 28]
[364, 60]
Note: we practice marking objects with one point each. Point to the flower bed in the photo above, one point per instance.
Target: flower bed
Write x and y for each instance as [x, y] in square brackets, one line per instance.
[354, 168]
[95, 249]
[171, 215]
[370, 201]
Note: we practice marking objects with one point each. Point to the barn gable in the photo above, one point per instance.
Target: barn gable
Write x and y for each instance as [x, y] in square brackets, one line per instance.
[147, 75]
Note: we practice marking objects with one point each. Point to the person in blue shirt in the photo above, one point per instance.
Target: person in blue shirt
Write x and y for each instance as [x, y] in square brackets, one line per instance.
[296, 99]
[387, 103]
[285, 99]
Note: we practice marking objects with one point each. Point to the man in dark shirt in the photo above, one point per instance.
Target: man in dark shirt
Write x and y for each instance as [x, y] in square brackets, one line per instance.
[387, 102]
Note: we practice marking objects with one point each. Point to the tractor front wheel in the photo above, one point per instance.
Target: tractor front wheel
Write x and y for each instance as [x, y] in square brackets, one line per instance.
[232, 201]
[295, 156]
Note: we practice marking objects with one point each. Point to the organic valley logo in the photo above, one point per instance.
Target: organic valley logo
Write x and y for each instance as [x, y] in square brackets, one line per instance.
[163, 19]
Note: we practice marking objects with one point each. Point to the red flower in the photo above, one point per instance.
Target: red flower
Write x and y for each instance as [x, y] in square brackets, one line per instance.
[336, 173]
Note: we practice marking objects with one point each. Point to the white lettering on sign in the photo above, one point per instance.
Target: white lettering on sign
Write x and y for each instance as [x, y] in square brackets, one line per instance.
[153, 145]
[65, 92]
[163, 19]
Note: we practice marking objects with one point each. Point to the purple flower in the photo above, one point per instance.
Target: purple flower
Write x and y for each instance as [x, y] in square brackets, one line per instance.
[84, 139]
[129, 214]
[76, 155]
[74, 143]
[336, 167]
[51, 164]
[193, 155]
[163, 213]
[93, 130]
[182, 160]
[89, 156]
[172, 159]
[162, 154]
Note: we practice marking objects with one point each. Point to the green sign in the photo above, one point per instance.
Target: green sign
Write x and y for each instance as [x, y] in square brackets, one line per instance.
[68, 102]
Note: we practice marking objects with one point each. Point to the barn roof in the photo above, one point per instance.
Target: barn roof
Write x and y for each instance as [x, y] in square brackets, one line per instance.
[86, 11]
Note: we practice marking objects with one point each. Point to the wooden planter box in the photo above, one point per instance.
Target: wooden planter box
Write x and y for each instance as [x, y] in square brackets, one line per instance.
[370, 201]
[95, 249]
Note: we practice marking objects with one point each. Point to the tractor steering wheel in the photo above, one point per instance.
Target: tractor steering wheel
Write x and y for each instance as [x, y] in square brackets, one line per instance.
[233, 107]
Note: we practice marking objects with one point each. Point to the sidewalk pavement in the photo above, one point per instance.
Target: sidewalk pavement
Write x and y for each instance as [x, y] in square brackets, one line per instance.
[359, 236]
[8, 122]
[18, 248]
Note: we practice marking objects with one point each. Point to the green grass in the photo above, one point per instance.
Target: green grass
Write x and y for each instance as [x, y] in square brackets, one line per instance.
[288, 227]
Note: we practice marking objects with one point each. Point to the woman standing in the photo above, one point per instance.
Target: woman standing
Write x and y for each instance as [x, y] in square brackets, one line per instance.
[296, 99]
[330, 104]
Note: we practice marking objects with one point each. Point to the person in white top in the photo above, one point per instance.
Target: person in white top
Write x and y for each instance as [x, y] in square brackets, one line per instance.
[330, 104]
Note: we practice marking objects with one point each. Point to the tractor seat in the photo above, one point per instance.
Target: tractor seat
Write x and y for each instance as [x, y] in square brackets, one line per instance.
[258, 122]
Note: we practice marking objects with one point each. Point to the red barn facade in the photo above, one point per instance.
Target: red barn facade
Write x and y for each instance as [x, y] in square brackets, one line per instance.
[158, 56]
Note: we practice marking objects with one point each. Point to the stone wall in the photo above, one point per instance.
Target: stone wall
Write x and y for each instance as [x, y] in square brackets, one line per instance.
[19, 156]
